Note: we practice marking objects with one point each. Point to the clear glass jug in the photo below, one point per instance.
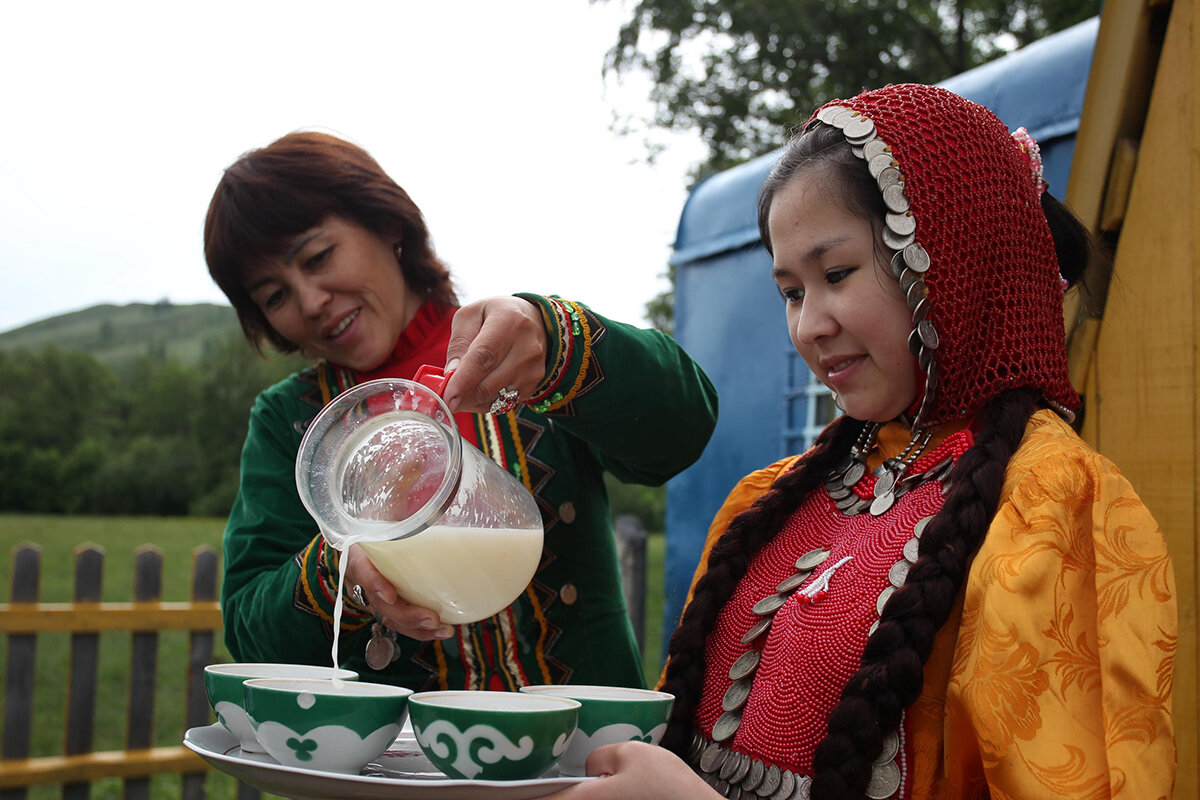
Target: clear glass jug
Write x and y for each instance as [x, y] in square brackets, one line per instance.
[383, 466]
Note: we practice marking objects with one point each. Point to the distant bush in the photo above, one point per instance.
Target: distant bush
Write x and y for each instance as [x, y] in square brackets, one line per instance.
[162, 438]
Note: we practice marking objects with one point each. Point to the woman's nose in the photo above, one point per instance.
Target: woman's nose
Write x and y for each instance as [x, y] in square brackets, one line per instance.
[814, 322]
[313, 298]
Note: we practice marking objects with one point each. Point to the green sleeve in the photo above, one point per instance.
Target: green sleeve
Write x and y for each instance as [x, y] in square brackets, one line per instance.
[277, 593]
[644, 407]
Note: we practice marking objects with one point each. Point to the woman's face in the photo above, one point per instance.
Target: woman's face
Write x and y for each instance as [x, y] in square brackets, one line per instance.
[337, 293]
[846, 313]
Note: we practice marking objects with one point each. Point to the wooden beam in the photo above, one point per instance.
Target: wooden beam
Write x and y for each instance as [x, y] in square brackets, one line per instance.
[89, 767]
[99, 617]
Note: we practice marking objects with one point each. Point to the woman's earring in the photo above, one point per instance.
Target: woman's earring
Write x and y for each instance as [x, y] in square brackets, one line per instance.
[837, 401]
[399, 250]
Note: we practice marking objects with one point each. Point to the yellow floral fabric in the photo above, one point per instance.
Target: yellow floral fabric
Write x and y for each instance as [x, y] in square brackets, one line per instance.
[1052, 677]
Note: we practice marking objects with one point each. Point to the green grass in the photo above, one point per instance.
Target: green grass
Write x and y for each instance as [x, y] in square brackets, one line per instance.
[58, 538]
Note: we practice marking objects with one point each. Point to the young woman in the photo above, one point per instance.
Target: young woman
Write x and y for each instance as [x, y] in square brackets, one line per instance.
[950, 595]
[320, 251]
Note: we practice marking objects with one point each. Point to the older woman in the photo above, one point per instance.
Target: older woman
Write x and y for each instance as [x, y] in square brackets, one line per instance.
[320, 252]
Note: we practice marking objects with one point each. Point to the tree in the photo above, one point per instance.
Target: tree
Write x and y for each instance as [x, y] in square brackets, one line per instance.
[742, 72]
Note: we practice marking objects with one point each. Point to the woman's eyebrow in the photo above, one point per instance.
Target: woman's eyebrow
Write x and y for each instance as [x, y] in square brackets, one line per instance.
[816, 251]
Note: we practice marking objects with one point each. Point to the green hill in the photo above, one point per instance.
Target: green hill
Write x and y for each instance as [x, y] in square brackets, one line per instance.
[120, 334]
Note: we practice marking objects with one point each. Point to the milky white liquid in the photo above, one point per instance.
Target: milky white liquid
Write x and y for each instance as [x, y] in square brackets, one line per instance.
[463, 574]
[338, 605]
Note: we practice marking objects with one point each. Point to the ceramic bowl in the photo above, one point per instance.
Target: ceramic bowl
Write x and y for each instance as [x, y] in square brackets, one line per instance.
[609, 714]
[223, 683]
[332, 726]
[492, 735]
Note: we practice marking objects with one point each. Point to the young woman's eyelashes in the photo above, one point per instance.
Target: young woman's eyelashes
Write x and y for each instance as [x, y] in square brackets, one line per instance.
[793, 294]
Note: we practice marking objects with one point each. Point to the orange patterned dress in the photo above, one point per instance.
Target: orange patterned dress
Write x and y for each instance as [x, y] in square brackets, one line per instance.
[1052, 677]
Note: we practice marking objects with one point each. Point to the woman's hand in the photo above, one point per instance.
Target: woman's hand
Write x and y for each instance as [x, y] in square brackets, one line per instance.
[399, 615]
[496, 343]
[633, 770]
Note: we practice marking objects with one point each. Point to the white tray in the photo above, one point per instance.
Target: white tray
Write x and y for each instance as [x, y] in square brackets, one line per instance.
[402, 773]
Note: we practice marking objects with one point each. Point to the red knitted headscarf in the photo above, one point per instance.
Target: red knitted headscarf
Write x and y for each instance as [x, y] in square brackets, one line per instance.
[978, 265]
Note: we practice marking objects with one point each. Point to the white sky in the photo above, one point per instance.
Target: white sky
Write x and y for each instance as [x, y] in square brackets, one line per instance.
[116, 119]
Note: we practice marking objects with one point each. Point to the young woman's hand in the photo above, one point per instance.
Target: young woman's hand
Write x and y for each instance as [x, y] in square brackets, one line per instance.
[635, 770]
[397, 614]
[495, 344]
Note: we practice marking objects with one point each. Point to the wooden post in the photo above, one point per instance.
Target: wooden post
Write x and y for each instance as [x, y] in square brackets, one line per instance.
[631, 548]
[200, 655]
[22, 649]
[81, 691]
[143, 666]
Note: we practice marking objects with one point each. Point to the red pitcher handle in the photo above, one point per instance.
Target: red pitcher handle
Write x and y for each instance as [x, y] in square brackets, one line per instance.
[432, 378]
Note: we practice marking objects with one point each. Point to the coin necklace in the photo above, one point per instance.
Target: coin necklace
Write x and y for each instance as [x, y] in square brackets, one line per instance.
[893, 471]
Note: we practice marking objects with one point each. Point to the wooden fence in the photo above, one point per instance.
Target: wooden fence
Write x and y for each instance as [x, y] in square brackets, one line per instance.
[22, 619]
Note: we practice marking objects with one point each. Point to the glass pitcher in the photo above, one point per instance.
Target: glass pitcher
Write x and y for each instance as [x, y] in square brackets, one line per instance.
[383, 466]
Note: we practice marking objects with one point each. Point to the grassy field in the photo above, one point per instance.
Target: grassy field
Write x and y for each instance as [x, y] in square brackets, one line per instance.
[120, 537]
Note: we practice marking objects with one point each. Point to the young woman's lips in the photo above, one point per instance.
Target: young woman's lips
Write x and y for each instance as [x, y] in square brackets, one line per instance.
[841, 370]
[342, 326]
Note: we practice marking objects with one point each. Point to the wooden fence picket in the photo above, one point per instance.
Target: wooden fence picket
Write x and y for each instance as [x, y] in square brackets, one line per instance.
[25, 616]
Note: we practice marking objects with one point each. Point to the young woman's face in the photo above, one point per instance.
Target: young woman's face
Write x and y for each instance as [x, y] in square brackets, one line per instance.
[846, 313]
[338, 294]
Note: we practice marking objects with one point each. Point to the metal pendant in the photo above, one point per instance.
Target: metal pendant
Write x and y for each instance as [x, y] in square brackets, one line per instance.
[756, 630]
[888, 176]
[882, 503]
[911, 548]
[916, 258]
[745, 665]
[885, 484]
[812, 559]
[894, 199]
[879, 163]
[381, 650]
[895, 240]
[713, 757]
[737, 694]
[885, 780]
[854, 473]
[754, 777]
[769, 604]
[770, 781]
[725, 727]
[793, 581]
[874, 148]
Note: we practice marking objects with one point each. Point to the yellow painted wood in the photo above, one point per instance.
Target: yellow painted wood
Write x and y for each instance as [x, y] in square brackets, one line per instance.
[1114, 107]
[1143, 383]
[98, 617]
[16, 773]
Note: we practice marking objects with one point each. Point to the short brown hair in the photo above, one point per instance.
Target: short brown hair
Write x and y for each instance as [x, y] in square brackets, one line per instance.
[271, 195]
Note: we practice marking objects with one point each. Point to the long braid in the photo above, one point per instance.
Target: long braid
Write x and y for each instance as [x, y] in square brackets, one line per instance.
[891, 673]
[727, 563]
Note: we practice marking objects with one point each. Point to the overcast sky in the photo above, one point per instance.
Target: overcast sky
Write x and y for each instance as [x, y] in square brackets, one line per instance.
[116, 119]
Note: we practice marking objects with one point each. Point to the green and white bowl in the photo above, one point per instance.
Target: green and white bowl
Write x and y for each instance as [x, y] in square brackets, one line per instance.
[609, 714]
[492, 735]
[333, 726]
[223, 684]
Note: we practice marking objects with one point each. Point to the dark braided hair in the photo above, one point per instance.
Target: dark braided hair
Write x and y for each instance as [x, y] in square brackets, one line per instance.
[727, 563]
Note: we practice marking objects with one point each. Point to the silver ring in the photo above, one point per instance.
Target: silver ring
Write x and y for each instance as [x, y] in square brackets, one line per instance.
[506, 401]
[356, 594]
